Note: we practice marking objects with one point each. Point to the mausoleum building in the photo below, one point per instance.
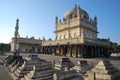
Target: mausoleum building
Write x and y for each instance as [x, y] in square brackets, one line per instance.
[76, 36]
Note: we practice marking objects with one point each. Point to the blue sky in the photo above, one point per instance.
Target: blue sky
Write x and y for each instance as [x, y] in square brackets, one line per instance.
[37, 17]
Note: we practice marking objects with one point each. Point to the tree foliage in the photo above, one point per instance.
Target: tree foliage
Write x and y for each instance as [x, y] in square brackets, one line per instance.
[115, 48]
[5, 47]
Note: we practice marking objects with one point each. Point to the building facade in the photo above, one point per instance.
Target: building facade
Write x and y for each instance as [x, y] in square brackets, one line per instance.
[27, 44]
[76, 36]
[24, 44]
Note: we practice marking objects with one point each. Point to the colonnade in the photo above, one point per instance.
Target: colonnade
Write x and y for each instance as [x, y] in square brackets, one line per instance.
[85, 51]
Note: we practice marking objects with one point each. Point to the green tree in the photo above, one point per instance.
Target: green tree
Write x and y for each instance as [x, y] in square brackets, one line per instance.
[5, 47]
[115, 48]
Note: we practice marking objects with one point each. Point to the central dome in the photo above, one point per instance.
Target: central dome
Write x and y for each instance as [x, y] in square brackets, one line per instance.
[73, 12]
[70, 12]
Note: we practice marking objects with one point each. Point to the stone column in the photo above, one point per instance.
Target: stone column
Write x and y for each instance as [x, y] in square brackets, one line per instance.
[64, 50]
[84, 51]
[60, 50]
[48, 50]
[89, 51]
[70, 51]
[87, 55]
[95, 51]
[55, 50]
[98, 51]
[76, 50]
[43, 50]
[51, 50]
[102, 51]
[81, 51]
[92, 52]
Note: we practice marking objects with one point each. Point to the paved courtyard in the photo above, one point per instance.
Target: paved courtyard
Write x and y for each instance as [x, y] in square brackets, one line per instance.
[4, 75]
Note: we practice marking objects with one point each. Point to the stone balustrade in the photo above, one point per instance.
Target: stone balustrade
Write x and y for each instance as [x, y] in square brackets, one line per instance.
[30, 41]
[65, 24]
[88, 25]
[78, 40]
[66, 41]
[99, 42]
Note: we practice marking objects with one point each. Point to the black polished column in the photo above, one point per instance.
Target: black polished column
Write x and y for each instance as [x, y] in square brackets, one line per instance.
[70, 50]
[76, 51]
[55, 50]
[81, 51]
[59, 51]
[84, 51]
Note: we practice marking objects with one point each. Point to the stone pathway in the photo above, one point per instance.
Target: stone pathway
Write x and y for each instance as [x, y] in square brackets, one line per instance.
[4, 75]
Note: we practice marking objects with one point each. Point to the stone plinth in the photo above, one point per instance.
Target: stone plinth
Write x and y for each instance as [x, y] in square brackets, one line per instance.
[13, 59]
[67, 75]
[82, 67]
[64, 64]
[104, 70]
[34, 58]
[25, 68]
[15, 67]
[43, 71]
[29, 62]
